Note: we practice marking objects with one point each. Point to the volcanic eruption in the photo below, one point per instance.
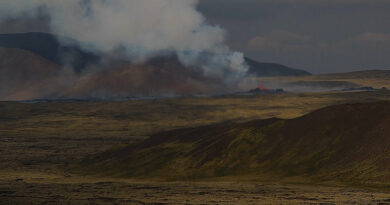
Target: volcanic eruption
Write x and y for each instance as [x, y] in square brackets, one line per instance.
[126, 39]
[263, 90]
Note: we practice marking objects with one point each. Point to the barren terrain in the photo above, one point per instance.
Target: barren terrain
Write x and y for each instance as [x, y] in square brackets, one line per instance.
[40, 141]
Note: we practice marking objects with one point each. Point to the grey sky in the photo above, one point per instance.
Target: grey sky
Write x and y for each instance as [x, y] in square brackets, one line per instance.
[316, 35]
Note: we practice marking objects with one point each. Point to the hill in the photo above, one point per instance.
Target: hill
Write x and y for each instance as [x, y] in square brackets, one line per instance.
[48, 46]
[160, 76]
[24, 75]
[347, 143]
[272, 69]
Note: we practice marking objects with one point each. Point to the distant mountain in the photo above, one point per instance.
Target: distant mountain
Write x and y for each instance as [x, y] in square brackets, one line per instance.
[48, 46]
[29, 61]
[272, 69]
[346, 143]
[24, 75]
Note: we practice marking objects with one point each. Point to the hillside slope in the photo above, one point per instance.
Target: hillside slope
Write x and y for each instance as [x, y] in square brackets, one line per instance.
[24, 75]
[348, 143]
[272, 69]
[158, 76]
[49, 47]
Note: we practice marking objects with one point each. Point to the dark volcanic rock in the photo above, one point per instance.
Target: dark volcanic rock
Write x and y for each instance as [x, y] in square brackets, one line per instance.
[266, 91]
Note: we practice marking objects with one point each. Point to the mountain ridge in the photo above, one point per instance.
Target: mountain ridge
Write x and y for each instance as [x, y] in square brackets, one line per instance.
[48, 46]
[26, 75]
[261, 69]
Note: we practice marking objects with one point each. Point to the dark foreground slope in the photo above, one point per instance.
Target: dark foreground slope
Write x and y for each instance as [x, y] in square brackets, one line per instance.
[348, 143]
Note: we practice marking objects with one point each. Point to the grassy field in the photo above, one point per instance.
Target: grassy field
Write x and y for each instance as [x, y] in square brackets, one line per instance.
[113, 191]
[328, 82]
[346, 143]
[39, 140]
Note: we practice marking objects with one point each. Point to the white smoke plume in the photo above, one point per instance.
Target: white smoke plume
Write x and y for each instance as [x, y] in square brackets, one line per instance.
[143, 28]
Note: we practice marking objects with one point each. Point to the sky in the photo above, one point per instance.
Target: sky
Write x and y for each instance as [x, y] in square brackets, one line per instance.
[320, 36]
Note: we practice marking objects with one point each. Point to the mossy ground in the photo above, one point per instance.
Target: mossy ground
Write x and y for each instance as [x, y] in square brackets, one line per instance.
[40, 142]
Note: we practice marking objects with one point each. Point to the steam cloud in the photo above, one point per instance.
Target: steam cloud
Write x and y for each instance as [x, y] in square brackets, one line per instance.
[140, 28]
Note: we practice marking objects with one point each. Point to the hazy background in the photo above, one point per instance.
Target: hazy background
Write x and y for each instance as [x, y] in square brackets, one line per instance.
[316, 35]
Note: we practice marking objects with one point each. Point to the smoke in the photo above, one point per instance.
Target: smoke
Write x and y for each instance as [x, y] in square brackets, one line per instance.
[140, 29]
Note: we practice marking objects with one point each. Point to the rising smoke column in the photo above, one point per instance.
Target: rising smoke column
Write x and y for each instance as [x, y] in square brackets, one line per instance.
[143, 28]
